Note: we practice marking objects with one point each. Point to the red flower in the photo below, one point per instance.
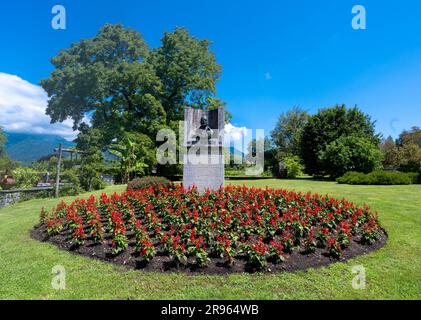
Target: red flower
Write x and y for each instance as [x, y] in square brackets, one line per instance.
[277, 246]
[260, 247]
[225, 221]
[325, 231]
[311, 235]
[331, 241]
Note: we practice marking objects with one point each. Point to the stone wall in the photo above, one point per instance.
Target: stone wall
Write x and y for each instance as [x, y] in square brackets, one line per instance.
[9, 197]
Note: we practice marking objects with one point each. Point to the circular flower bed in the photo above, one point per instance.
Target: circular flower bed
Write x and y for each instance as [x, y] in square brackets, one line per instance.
[234, 229]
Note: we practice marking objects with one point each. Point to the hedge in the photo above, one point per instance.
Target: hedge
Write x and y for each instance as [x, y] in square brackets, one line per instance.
[379, 178]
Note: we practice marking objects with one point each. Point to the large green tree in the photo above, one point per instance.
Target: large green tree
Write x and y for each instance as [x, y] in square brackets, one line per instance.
[412, 136]
[410, 157]
[409, 144]
[390, 153]
[188, 71]
[126, 87]
[89, 142]
[329, 125]
[97, 75]
[288, 131]
[405, 153]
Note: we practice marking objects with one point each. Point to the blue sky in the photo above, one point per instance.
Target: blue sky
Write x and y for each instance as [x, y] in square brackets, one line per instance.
[275, 54]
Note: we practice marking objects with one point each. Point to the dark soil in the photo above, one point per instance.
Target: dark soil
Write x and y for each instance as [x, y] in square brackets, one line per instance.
[162, 263]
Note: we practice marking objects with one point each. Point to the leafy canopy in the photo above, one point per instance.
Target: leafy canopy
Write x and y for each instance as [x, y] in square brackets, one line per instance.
[351, 153]
[288, 131]
[91, 166]
[97, 73]
[390, 153]
[188, 72]
[412, 136]
[126, 87]
[329, 125]
[405, 153]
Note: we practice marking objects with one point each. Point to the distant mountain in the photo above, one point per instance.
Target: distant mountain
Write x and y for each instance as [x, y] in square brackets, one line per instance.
[26, 148]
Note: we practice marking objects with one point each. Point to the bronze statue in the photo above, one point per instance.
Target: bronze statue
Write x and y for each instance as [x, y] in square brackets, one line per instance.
[203, 132]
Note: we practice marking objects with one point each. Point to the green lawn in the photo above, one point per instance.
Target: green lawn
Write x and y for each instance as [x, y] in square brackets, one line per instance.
[393, 272]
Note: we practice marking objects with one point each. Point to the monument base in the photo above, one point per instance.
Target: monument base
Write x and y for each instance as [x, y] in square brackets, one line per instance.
[204, 172]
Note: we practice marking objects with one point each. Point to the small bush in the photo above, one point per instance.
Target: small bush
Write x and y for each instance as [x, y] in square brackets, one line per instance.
[293, 166]
[350, 153]
[414, 176]
[146, 182]
[25, 178]
[378, 178]
[72, 183]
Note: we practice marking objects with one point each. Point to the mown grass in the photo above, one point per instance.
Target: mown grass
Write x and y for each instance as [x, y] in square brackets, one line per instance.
[392, 273]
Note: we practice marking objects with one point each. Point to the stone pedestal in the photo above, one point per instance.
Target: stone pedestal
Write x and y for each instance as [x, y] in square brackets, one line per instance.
[208, 173]
[204, 165]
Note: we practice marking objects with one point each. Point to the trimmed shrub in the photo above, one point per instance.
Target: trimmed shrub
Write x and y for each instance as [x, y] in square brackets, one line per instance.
[414, 176]
[293, 166]
[146, 182]
[378, 178]
[351, 153]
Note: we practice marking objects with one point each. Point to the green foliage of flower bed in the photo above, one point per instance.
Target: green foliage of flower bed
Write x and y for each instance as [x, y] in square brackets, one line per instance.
[233, 223]
[379, 178]
[146, 182]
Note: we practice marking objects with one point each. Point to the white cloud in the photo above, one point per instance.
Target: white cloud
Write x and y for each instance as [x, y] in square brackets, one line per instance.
[235, 133]
[23, 105]
[237, 137]
[22, 109]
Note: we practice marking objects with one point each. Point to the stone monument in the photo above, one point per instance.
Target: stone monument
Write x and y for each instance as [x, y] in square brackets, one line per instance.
[203, 140]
